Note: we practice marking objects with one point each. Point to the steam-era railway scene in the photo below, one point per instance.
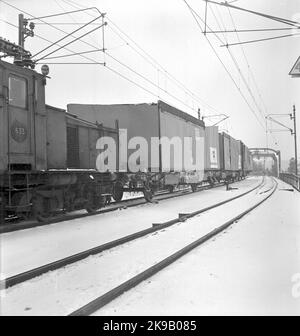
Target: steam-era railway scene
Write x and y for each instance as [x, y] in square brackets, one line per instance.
[148, 158]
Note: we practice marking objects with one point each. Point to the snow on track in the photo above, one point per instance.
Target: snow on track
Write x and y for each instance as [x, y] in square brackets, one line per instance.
[246, 271]
[65, 290]
[31, 248]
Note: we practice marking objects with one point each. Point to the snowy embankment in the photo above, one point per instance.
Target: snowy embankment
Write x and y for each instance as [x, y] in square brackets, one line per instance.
[31, 248]
[253, 269]
[62, 291]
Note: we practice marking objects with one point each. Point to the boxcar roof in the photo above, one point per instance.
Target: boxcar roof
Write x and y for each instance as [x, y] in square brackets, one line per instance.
[55, 108]
[183, 115]
[165, 107]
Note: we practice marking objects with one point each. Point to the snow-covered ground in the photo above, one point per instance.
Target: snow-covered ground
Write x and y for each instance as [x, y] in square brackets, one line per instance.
[30, 248]
[62, 291]
[252, 269]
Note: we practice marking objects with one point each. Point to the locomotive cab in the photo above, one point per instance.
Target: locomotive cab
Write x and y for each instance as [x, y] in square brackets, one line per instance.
[22, 115]
[23, 138]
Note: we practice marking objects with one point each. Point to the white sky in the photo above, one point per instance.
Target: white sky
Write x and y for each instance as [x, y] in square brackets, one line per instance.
[168, 32]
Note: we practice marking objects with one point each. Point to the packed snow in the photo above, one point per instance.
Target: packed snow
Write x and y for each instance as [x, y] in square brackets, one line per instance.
[65, 290]
[251, 269]
[31, 248]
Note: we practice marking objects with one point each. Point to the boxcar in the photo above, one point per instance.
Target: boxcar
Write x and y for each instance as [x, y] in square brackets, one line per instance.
[246, 160]
[230, 156]
[235, 156]
[212, 154]
[151, 121]
[225, 161]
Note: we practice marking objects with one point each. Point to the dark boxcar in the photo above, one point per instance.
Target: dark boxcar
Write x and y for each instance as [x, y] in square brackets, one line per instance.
[82, 137]
[56, 138]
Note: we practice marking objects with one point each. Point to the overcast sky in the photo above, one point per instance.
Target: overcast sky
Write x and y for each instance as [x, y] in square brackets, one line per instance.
[167, 31]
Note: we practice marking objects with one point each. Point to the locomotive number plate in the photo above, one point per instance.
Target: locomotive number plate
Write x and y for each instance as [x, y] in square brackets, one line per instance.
[18, 131]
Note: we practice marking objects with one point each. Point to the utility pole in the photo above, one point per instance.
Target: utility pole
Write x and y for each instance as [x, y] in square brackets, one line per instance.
[21, 30]
[23, 57]
[293, 117]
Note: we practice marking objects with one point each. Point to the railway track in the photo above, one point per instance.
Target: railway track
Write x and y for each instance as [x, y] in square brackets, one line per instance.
[14, 225]
[102, 300]
[109, 296]
[33, 273]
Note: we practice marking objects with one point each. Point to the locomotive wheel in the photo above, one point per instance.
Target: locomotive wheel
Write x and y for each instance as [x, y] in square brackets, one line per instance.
[93, 202]
[117, 192]
[41, 208]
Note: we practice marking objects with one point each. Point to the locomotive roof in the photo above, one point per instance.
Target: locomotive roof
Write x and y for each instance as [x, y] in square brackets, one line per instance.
[19, 69]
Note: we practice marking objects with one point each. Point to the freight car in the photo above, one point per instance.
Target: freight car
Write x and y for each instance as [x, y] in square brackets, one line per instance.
[34, 179]
[230, 157]
[167, 159]
[56, 160]
[212, 155]
[225, 157]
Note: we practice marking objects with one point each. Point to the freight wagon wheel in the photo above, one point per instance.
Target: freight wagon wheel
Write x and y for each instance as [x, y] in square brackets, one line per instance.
[148, 194]
[171, 189]
[41, 208]
[194, 187]
[117, 192]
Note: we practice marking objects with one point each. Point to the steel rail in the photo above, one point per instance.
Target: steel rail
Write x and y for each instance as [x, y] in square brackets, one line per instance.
[106, 298]
[11, 227]
[30, 274]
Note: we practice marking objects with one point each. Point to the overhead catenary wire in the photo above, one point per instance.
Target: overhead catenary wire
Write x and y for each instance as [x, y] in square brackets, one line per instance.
[238, 67]
[73, 54]
[271, 17]
[118, 31]
[245, 30]
[42, 38]
[54, 27]
[111, 69]
[136, 72]
[252, 75]
[97, 63]
[70, 35]
[260, 40]
[147, 57]
[76, 39]
[195, 16]
[146, 79]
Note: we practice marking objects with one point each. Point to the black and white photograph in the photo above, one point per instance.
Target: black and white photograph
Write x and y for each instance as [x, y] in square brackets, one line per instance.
[149, 160]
